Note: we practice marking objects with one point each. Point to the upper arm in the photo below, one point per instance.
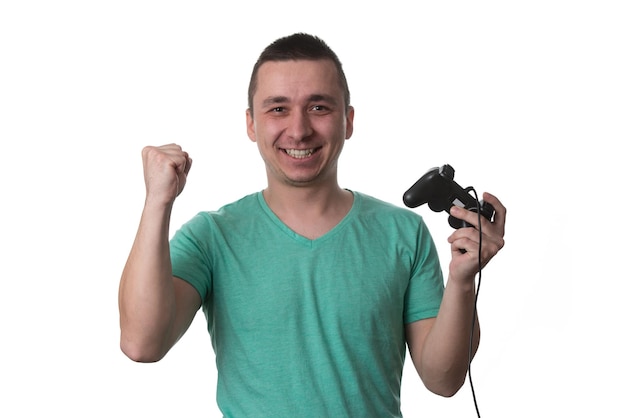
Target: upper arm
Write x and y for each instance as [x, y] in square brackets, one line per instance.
[416, 333]
[188, 302]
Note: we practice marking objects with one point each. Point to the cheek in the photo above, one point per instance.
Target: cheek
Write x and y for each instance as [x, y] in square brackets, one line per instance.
[337, 130]
[268, 130]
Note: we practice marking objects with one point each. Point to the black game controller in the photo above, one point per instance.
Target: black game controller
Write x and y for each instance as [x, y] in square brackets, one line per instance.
[438, 188]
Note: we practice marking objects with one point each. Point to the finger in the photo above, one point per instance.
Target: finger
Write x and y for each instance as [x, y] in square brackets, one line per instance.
[177, 157]
[491, 233]
[464, 243]
[499, 218]
[466, 215]
[171, 147]
[188, 165]
[181, 163]
[463, 237]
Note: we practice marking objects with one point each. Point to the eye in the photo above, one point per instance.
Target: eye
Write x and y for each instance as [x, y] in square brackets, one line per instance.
[319, 108]
[278, 109]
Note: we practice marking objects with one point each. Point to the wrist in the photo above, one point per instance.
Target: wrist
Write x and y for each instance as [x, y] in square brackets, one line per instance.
[155, 202]
[463, 283]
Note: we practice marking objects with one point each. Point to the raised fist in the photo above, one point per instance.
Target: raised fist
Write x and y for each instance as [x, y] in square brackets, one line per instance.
[165, 171]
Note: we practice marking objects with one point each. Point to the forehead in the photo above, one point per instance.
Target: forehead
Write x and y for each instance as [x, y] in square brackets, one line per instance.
[297, 77]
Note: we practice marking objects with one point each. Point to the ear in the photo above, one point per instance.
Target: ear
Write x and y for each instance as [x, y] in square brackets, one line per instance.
[250, 125]
[349, 122]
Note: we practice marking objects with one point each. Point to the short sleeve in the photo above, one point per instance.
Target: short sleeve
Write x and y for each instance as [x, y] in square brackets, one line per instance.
[425, 289]
[190, 254]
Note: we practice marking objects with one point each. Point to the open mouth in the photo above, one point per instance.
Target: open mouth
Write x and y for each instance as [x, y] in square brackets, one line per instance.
[300, 153]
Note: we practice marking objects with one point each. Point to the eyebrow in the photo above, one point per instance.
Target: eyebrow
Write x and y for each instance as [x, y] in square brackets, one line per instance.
[323, 98]
[274, 100]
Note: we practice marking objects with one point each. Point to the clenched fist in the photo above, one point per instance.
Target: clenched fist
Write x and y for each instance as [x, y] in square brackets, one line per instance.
[165, 171]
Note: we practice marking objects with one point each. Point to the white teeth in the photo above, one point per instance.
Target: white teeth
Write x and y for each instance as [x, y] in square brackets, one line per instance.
[299, 153]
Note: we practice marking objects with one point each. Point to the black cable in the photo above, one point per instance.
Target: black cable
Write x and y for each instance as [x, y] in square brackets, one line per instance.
[480, 268]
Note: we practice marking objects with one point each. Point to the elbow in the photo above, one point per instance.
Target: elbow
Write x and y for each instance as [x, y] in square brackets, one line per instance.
[140, 353]
[447, 389]
[445, 383]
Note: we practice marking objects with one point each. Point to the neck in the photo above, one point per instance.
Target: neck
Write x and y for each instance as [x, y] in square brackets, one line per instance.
[309, 199]
[309, 211]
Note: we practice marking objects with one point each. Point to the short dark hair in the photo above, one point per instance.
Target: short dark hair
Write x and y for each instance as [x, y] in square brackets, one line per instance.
[299, 46]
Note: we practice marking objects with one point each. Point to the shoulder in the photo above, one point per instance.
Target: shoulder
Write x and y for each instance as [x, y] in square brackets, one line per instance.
[237, 209]
[370, 206]
[234, 213]
[241, 206]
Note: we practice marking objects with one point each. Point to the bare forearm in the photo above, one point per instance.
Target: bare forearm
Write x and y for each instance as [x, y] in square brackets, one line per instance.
[446, 352]
[146, 293]
[441, 347]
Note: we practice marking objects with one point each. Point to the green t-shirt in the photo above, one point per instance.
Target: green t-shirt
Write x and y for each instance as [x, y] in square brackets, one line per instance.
[309, 328]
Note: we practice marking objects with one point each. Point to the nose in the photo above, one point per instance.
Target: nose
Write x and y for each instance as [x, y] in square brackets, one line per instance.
[299, 127]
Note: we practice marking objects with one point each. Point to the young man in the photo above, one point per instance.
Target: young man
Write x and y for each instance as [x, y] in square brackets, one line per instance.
[311, 291]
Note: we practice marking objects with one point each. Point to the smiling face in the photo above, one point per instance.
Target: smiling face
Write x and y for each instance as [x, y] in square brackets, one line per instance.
[300, 121]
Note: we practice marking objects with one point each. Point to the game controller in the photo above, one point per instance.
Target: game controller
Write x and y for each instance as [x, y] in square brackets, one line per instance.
[438, 188]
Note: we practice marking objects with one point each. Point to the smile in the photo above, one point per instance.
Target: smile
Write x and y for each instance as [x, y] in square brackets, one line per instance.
[300, 153]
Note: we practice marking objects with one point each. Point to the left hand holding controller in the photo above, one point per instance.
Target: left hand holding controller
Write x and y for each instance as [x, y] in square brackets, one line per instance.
[465, 241]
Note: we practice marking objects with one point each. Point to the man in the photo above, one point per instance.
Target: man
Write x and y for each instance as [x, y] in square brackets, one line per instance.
[311, 291]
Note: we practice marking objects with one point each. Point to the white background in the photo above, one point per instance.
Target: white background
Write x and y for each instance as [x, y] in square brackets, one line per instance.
[526, 100]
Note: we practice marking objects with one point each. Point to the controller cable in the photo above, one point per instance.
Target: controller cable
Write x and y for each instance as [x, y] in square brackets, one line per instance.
[480, 268]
